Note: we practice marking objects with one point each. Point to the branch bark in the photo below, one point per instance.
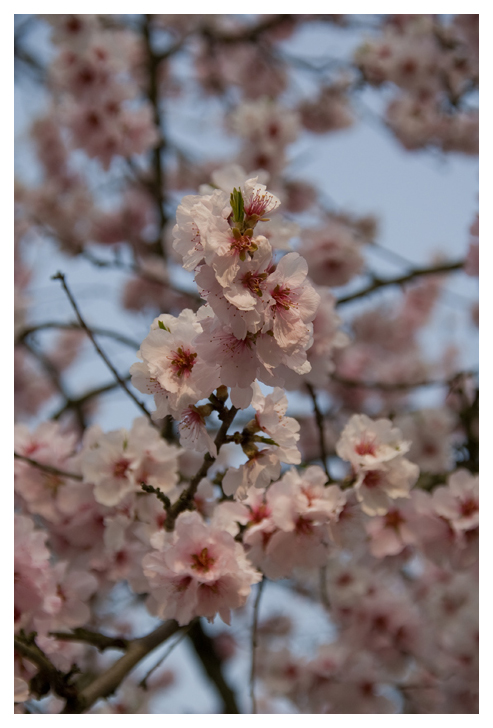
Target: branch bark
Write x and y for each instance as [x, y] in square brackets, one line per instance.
[212, 664]
[400, 280]
[47, 468]
[106, 683]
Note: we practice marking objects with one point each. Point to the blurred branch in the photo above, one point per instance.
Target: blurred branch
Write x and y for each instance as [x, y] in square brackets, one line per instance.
[153, 61]
[73, 326]
[60, 276]
[253, 667]
[399, 280]
[212, 664]
[76, 403]
[319, 418]
[48, 676]
[395, 386]
[109, 681]
[47, 468]
[96, 639]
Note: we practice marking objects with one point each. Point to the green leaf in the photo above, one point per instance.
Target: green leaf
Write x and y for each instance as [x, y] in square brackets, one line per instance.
[237, 205]
[162, 326]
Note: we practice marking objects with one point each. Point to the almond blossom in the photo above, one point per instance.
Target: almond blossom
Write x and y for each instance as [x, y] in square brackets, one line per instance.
[458, 501]
[203, 572]
[171, 356]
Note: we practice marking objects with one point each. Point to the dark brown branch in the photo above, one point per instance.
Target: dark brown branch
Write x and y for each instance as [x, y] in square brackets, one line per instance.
[109, 681]
[60, 276]
[73, 326]
[319, 418]
[76, 403]
[185, 499]
[47, 468]
[153, 95]
[48, 677]
[253, 666]
[96, 639]
[212, 664]
[400, 280]
[158, 493]
[396, 386]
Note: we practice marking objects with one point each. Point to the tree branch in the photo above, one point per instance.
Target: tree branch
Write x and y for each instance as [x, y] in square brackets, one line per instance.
[253, 667]
[73, 326]
[96, 639]
[76, 403]
[400, 280]
[153, 95]
[60, 276]
[212, 664]
[47, 468]
[106, 683]
[320, 424]
[48, 677]
[186, 498]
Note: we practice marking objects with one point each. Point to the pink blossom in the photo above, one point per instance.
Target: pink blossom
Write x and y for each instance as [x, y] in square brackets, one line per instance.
[202, 573]
[171, 356]
[367, 443]
[458, 502]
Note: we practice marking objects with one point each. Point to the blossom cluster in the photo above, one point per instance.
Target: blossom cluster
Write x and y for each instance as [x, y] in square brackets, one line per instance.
[280, 442]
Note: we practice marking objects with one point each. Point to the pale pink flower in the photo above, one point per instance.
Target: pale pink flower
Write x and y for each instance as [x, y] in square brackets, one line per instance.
[34, 580]
[367, 444]
[376, 489]
[458, 501]
[193, 432]
[259, 470]
[202, 573]
[118, 461]
[391, 533]
[333, 254]
[271, 419]
[295, 303]
[171, 356]
[430, 431]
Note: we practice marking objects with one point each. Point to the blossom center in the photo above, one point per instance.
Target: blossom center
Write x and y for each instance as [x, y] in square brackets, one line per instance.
[393, 519]
[202, 562]
[281, 297]
[182, 361]
[366, 447]
[253, 282]
[468, 507]
[120, 468]
[372, 479]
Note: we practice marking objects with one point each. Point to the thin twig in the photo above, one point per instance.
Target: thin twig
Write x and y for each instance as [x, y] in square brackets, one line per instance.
[47, 468]
[253, 667]
[393, 386]
[60, 276]
[76, 403]
[143, 682]
[73, 326]
[324, 596]
[157, 492]
[320, 425]
[185, 499]
[400, 280]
